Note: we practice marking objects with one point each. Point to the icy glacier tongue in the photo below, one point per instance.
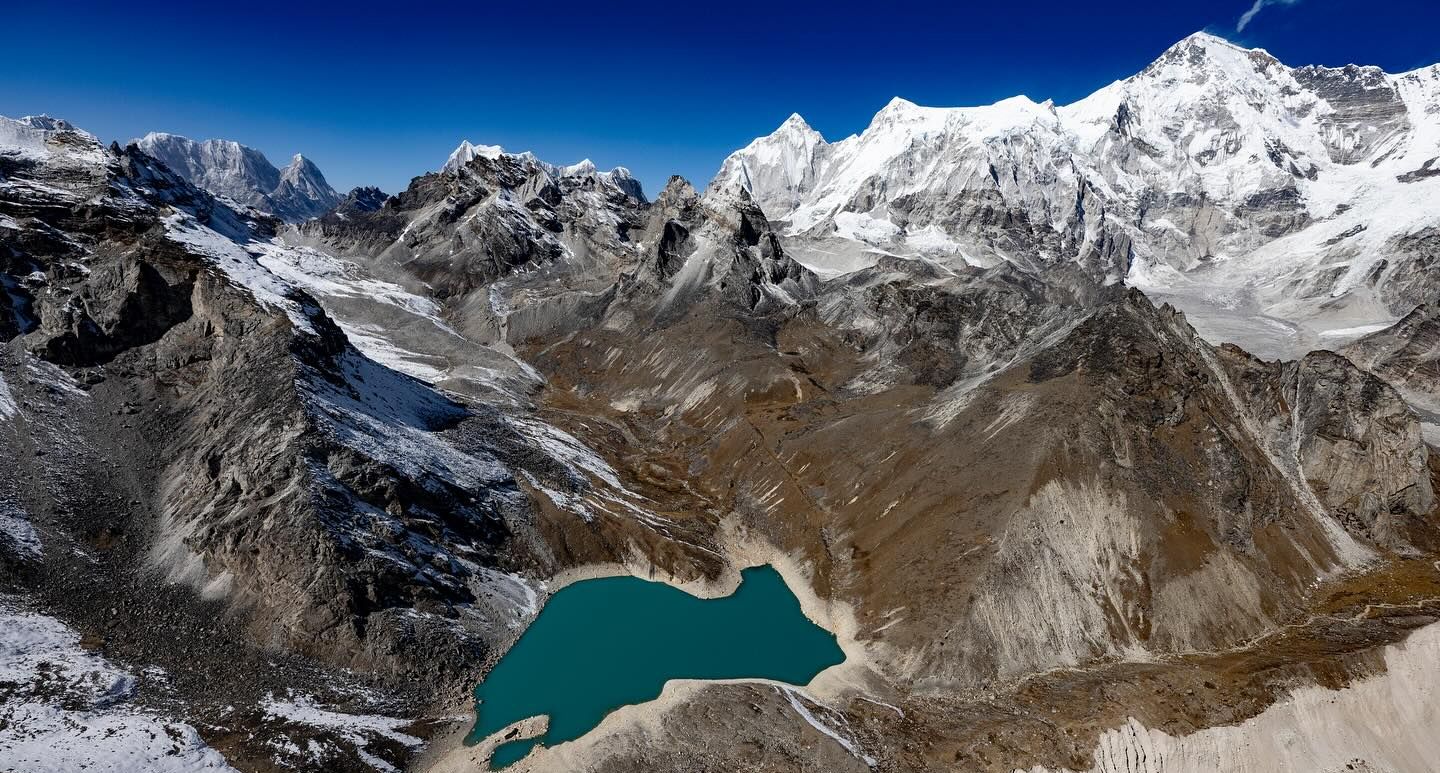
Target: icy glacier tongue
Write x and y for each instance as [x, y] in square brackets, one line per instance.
[1281, 208]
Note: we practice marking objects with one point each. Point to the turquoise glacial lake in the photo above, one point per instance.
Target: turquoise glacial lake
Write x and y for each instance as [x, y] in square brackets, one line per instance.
[601, 644]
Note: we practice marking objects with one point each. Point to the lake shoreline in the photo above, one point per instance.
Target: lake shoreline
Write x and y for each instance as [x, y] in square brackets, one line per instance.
[856, 674]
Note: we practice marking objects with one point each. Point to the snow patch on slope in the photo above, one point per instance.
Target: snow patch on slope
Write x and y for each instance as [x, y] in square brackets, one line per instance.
[17, 534]
[8, 408]
[302, 709]
[391, 417]
[45, 680]
[238, 264]
[805, 714]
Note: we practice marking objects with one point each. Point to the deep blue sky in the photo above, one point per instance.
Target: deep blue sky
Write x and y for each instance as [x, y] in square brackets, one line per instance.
[377, 93]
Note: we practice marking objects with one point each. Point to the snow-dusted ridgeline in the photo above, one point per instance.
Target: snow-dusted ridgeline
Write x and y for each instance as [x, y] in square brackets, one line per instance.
[620, 177]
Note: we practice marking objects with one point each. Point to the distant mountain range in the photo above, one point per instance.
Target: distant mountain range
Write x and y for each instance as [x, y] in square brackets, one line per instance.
[1217, 177]
[1103, 437]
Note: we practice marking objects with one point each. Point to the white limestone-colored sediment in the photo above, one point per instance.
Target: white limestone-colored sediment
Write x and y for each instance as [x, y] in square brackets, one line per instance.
[1387, 722]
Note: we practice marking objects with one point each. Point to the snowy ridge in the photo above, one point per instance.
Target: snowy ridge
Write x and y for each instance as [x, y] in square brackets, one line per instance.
[40, 137]
[1217, 178]
[619, 177]
[244, 175]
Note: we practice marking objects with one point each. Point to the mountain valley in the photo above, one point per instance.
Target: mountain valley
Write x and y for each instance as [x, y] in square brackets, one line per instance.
[1102, 437]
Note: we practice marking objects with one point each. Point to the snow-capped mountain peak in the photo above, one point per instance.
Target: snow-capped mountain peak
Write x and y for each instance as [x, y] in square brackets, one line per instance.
[48, 123]
[1304, 183]
[583, 167]
[243, 174]
[467, 152]
[1206, 42]
[796, 122]
[302, 172]
[776, 167]
[619, 177]
[303, 190]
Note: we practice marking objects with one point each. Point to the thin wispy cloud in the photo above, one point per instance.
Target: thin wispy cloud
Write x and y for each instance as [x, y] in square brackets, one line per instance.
[1246, 17]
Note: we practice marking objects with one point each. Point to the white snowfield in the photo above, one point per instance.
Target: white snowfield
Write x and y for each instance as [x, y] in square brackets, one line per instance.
[63, 709]
[1191, 158]
[239, 264]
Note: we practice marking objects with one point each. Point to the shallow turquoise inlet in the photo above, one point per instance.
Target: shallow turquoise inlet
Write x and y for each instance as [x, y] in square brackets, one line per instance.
[606, 643]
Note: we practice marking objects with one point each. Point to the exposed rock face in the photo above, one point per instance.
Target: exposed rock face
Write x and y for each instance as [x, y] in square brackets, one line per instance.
[619, 177]
[919, 323]
[361, 200]
[306, 485]
[1360, 450]
[244, 175]
[1368, 111]
[473, 223]
[719, 245]
[1313, 729]
[1407, 355]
